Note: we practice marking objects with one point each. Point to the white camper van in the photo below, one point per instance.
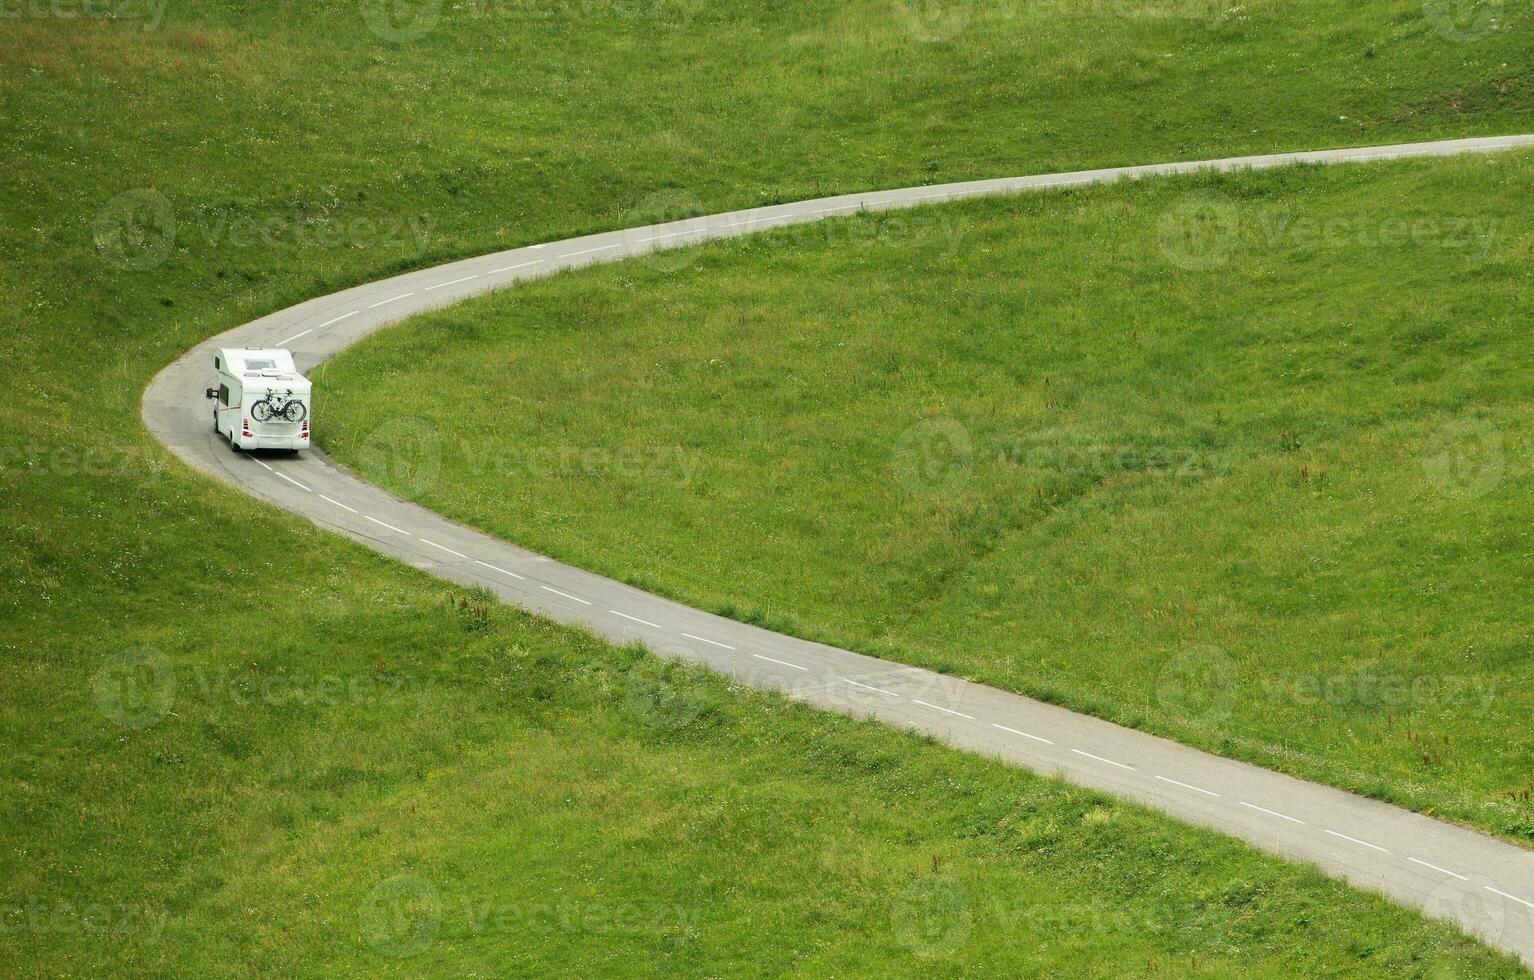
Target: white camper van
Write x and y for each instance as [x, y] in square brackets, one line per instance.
[261, 401]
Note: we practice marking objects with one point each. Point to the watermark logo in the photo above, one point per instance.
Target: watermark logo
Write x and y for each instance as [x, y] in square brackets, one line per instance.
[1199, 232]
[401, 916]
[404, 452]
[1465, 21]
[933, 458]
[932, 916]
[1466, 458]
[1198, 685]
[685, 219]
[654, 695]
[136, 230]
[934, 21]
[135, 687]
[401, 21]
[1475, 909]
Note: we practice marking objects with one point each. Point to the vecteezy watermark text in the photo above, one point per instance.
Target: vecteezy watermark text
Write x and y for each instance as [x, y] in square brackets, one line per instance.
[138, 229]
[1203, 685]
[662, 225]
[86, 919]
[408, 451]
[403, 915]
[36, 459]
[671, 464]
[304, 230]
[936, 458]
[405, 21]
[138, 687]
[149, 13]
[1202, 230]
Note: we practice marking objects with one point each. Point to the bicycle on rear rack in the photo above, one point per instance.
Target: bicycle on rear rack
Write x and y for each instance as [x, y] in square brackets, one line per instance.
[279, 405]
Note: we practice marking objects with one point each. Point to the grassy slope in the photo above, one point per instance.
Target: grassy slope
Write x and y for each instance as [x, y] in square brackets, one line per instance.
[1199, 500]
[261, 828]
[409, 785]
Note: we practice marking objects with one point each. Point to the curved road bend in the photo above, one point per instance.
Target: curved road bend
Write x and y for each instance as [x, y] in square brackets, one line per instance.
[1483, 884]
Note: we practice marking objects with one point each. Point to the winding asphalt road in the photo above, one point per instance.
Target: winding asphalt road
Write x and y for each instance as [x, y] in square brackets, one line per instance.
[1483, 884]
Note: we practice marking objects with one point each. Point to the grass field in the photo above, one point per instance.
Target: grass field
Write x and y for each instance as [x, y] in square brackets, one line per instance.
[1263, 491]
[416, 781]
[322, 741]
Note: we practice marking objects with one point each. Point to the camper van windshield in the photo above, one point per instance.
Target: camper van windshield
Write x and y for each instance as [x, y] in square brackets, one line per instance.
[260, 364]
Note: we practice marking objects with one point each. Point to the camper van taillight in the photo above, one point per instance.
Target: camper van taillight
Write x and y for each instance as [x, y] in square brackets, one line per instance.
[245, 426]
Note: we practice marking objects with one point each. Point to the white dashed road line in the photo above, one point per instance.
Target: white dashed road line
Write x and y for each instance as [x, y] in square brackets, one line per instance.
[338, 503]
[1498, 891]
[704, 639]
[1014, 731]
[368, 517]
[1360, 843]
[549, 588]
[288, 340]
[509, 268]
[642, 622]
[452, 282]
[497, 568]
[870, 687]
[441, 547]
[1037, 738]
[590, 251]
[294, 482]
[1435, 867]
[938, 707]
[337, 319]
[1195, 789]
[674, 234]
[781, 663]
[1099, 758]
[1271, 813]
[263, 465]
[385, 302]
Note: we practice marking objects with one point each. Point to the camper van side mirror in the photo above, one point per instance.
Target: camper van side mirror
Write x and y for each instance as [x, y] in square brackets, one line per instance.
[210, 393]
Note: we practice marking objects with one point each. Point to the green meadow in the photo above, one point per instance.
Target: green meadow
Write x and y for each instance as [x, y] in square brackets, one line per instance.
[1243, 460]
[236, 744]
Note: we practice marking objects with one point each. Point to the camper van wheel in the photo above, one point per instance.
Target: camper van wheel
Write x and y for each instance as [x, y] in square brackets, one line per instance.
[232, 444]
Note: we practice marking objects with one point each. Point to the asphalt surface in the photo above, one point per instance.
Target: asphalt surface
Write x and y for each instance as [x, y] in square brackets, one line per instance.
[1483, 884]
